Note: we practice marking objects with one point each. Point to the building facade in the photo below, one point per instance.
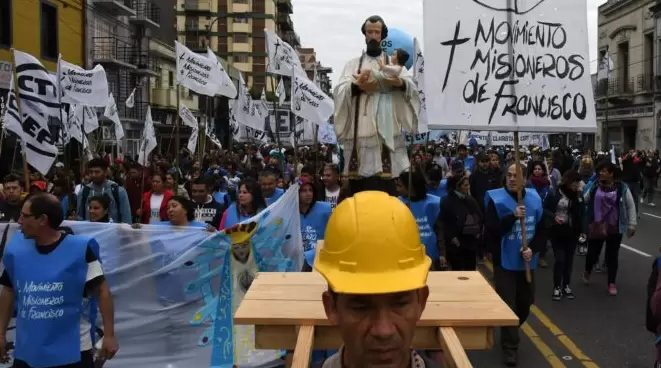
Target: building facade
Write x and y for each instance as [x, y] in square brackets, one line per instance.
[626, 99]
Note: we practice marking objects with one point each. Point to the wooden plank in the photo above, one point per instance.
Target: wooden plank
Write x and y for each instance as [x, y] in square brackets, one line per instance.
[303, 350]
[446, 293]
[298, 313]
[454, 354]
[441, 279]
[328, 337]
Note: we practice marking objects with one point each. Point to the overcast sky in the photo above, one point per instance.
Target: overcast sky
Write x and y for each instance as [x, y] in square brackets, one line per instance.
[332, 27]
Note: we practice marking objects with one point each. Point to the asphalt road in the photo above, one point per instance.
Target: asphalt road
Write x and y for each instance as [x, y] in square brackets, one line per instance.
[595, 329]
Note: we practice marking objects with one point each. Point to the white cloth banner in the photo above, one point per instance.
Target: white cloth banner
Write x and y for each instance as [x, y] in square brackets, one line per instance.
[263, 104]
[226, 86]
[212, 137]
[243, 134]
[247, 112]
[197, 72]
[88, 118]
[37, 89]
[308, 101]
[282, 58]
[304, 131]
[80, 86]
[543, 85]
[326, 134]
[110, 112]
[130, 101]
[148, 142]
[419, 79]
[188, 118]
[192, 140]
[168, 286]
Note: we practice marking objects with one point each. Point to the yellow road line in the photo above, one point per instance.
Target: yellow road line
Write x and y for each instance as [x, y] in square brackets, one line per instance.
[546, 351]
[556, 331]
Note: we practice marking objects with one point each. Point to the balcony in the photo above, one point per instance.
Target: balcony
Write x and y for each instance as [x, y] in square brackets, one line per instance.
[147, 14]
[146, 64]
[285, 7]
[138, 113]
[285, 22]
[197, 44]
[291, 37]
[115, 7]
[167, 98]
[112, 51]
[617, 90]
[645, 83]
[198, 6]
[194, 26]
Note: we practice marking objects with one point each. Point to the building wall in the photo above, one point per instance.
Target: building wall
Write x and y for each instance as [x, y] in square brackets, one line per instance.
[26, 32]
[631, 92]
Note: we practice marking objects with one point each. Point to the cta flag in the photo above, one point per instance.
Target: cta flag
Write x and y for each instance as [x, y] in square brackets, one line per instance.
[80, 86]
[37, 90]
[308, 101]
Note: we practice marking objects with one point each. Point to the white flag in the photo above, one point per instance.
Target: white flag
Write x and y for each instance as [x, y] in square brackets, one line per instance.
[308, 101]
[247, 112]
[188, 118]
[326, 134]
[192, 140]
[87, 117]
[197, 72]
[110, 112]
[281, 92]
[419, 79]
[130, 102]
[282, 58]
[263, 104]
[80, 86]
[148, 141]
[213, 139]
[74, 129]
[227, 87]
[37, 89]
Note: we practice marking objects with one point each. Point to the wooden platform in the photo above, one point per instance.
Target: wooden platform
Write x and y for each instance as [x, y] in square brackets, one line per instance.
[278, 303]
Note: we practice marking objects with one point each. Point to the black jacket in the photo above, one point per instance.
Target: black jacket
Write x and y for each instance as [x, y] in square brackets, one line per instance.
[576, 212]
[453, 216]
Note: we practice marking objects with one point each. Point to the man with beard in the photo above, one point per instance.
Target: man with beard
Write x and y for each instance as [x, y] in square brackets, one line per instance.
[370, 113]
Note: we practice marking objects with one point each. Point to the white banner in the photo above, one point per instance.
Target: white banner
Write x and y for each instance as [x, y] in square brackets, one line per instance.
[80, 86]
[543, 85]
[37, 89]
[88, 118]
[419, 78]
[281, 92]
[282, 58]
[308, 101]
[148, 141]
[247, 111]
[192, 140]
[226, 86]
[304, 131]
[326, 134]
[187, 117]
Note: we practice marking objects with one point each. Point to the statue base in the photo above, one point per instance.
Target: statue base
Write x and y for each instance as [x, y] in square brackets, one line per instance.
[373, 183]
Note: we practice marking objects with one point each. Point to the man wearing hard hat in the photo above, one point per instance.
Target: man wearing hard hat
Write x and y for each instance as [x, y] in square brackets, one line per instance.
[376, 269]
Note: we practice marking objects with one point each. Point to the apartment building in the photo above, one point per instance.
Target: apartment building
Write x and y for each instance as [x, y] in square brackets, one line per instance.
[309, 62]
[627, 32]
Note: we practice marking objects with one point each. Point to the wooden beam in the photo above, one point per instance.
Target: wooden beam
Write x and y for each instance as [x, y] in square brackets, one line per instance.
[454, 354]
[303, 351]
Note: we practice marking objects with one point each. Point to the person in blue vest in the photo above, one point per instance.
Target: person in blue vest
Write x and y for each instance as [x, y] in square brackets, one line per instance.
[314, 218]
[249, 203]
[462, 155]
[47, 275]
[268, 181]
[503, 219]
[426, 209]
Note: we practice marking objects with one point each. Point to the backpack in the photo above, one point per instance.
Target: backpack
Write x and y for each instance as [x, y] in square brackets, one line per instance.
[651, 322]
[114, 189]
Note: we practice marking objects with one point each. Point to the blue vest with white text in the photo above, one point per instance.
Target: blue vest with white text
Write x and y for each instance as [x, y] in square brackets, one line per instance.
[511, 242]
[426, 213]
[233, 217]
[313, 228]
[278, 193]
[441, 191]
[49, 299]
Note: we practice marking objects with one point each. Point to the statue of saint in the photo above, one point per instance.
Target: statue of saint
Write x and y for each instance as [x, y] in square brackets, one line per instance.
[375, 102]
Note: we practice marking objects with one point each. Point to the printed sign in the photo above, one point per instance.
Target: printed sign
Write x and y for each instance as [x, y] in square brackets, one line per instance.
[518, 67]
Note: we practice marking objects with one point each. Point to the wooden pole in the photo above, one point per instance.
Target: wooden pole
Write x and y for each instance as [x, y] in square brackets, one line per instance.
[26, 170]
[519, 196]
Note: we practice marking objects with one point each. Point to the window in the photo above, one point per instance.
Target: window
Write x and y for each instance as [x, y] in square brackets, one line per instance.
[5, 23]
[241, 38]
[240, 19]
[241, 58]
[170, 79]
[49, 31]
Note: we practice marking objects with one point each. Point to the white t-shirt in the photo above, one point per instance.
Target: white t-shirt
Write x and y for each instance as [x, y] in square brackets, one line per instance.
[155, 202]
[332, 196]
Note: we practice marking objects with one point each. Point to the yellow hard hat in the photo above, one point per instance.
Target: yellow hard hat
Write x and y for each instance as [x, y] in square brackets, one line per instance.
[372, 246]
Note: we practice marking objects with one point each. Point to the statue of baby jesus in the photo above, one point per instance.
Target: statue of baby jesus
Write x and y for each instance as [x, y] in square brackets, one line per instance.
[385, 71]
